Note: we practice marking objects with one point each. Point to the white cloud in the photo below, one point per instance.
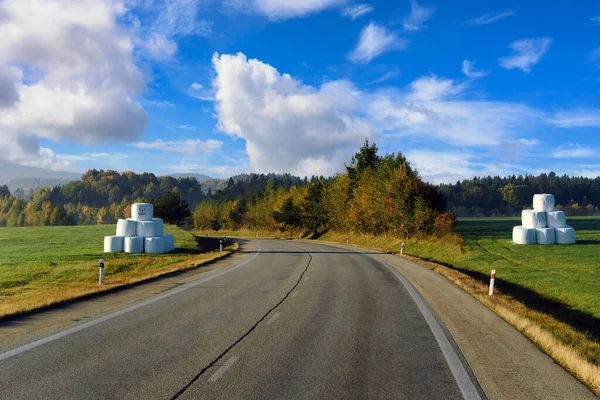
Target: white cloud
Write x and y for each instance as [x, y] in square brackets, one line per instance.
[468, 70]
[189, 146]
[490, 17]
[528, 52]
[287, 126]
[282, 9]
[573, 150]
[417, 18]
[356, 11]
[180, 17]
[594, 55]
[199, 92]
[160, 104]
[529, 142]
[582, 118]
[432, 108]
[595, 19]
[374, 41]
[450, 166]
[391, 74]
[73, 71]
[159, 47]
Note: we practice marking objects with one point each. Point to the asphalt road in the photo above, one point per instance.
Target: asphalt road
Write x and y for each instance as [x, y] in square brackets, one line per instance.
[294, 321]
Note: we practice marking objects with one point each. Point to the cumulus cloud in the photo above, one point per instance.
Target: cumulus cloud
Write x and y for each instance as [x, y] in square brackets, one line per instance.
[356, 11]
[282, 9]
[573, 150]
[189, 146]
[490, 17]
[417, 18]
[374, 41]
[287, 126]
[527, 53]
[73, 77]
[468, 68]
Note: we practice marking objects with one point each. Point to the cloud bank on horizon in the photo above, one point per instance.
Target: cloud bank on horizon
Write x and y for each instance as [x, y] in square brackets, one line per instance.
[297, 86]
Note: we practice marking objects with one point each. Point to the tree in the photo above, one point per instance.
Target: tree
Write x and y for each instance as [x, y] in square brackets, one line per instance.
[171, 208]
[4, 192]
[314, 206]
[288, 216]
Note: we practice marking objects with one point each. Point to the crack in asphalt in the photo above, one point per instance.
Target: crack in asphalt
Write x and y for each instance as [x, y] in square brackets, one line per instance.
[252, 328]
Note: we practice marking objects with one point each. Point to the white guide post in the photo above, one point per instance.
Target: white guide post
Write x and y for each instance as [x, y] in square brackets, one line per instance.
[101, 281]
[492, 281]
[402, 249]
[221, 245]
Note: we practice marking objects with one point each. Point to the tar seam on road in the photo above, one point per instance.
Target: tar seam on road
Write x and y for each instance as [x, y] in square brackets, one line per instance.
[81, 327]
[463, 380]
[252, 328]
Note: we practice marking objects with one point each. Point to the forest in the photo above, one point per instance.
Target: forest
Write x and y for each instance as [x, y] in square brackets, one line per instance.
[496, 196]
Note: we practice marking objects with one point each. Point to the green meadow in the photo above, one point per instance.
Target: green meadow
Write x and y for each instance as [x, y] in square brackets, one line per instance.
[40, 266]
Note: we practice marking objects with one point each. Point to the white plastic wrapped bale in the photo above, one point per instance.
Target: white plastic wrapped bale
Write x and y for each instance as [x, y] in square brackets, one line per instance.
[113, 244]
[134, 245]
[533, 219]
[522, 235]
[154, 228]
[556, 219]
[154, 245]
[169, 243]
[126, 227]
[545, 236]
[565, 235]
[142, 211]
[543, 202]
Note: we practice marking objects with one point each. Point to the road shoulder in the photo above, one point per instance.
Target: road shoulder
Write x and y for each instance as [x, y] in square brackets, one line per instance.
[506, 363]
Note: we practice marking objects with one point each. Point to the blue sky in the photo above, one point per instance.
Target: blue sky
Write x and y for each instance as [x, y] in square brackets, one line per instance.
[223, 87]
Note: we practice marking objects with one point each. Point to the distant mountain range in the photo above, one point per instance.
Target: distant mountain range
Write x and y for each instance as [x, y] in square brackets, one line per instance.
[30, 178]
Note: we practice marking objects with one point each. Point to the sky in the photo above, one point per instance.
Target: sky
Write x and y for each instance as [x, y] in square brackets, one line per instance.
[461, 88]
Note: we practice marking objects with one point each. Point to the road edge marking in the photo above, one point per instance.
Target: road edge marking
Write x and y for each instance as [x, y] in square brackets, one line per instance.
[462, 378]
[75, 329]
[273, 318]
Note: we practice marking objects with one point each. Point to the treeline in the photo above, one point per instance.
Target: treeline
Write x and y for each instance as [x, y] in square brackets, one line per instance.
[496, 196]
[102, 197]
[377, 194]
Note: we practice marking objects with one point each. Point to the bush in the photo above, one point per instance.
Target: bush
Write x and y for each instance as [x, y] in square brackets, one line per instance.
[445, 223]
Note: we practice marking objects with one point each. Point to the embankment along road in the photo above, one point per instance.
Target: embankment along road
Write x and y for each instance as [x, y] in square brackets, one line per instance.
[285, 320]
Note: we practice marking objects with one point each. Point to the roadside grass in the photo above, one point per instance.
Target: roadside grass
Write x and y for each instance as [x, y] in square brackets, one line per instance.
[42, 266]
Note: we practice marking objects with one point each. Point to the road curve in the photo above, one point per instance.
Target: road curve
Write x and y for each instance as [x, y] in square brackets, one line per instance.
[295, 321]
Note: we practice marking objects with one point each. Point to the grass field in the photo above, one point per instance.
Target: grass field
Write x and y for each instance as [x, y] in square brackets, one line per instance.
[45, 265]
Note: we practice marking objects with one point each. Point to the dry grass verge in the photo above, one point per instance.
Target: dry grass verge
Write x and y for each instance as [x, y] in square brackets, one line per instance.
[45, 296]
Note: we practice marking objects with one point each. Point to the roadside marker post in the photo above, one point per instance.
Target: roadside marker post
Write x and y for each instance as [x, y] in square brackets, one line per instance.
[347, 239]
[221, 245]
[101, 271]
[492, 281]
[402, 249]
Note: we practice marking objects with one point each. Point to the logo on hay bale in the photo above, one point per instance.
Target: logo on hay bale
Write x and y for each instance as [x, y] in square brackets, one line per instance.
[140, 234]
[543, 224]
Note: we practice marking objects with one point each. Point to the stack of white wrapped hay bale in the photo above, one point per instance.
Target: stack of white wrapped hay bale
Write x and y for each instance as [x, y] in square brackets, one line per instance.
[543, 224]
[140, 234]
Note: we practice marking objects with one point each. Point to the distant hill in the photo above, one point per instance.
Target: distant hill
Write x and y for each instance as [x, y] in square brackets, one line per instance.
[10, 172]
[30, 178]
[199, 177]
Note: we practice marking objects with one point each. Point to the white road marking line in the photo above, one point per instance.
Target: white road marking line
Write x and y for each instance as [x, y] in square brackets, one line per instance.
[273, 318]
[223, 369]
[463, 380]
[59, 335]
[295, 293]
[306, 279]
